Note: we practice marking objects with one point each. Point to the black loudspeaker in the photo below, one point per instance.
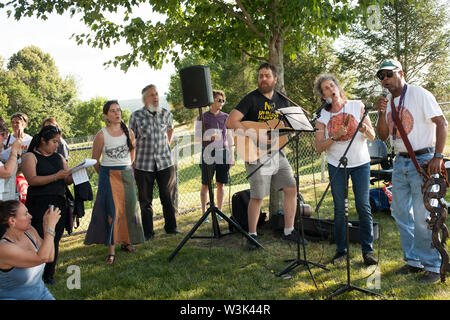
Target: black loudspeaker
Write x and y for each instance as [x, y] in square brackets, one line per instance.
[196, 87]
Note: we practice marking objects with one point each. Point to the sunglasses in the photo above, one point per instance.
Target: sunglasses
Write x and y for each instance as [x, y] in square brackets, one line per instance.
[52, 129]
[221, 100]
[388, 74]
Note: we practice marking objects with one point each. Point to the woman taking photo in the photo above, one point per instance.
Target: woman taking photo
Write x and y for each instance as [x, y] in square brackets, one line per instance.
[23, 253]
[115, 216]
[47, 174]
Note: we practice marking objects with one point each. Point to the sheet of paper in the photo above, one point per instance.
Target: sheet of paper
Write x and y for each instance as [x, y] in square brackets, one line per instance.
[296, 118]
[85, 163]
[80, 176]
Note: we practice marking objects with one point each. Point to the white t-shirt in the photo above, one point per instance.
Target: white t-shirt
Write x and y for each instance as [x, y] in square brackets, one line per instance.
[419, 107]
[358, 154]
[25, 141]
[115, 150]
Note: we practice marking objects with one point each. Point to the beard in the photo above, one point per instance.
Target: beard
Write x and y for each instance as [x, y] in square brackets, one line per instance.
[153, 108]
[266, 88]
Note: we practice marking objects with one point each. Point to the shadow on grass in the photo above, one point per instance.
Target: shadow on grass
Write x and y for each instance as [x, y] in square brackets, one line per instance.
[224, 269]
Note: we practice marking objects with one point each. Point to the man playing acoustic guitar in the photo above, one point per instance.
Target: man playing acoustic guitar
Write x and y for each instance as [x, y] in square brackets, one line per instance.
[258, 108]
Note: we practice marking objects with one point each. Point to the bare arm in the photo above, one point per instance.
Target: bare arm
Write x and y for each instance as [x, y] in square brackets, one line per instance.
[12, 255]
[366, 127]
[97, 148]
[321, 143]
[234, 120]
[170, 135]
[10, 166]
[133, 142]
[29, 171]
[434, 166]
[67, 179]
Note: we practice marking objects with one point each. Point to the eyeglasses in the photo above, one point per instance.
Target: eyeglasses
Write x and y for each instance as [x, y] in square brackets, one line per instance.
[388, 74]
[221, 100]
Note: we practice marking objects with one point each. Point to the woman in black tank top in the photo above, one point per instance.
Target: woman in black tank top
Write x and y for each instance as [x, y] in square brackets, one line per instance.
[47, 174]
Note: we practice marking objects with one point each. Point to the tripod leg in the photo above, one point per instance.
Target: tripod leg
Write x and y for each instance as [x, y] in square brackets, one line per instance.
[189, 235]
[366, 291]
[339, 291]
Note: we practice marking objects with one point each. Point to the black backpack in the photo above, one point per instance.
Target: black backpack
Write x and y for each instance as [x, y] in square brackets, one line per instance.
[239, 208]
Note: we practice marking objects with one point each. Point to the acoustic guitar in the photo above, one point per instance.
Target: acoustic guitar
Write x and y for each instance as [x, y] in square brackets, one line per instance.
[272, 131]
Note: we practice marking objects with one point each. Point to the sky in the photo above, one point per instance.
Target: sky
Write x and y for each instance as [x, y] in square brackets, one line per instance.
[81, 61]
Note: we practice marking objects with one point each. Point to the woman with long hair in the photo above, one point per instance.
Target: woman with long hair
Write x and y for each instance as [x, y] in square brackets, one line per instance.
[47, 174]
[336, 126]
[115, 216]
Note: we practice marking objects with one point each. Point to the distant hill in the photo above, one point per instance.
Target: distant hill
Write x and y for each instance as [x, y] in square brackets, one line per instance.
[133, 104]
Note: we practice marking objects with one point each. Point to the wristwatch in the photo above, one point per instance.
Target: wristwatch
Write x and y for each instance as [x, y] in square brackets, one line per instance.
[438, 155]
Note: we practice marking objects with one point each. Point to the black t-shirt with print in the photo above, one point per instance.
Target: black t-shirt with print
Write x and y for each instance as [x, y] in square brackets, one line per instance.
[256, 107]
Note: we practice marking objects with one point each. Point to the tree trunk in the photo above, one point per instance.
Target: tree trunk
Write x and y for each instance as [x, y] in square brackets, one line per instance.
[276, 44]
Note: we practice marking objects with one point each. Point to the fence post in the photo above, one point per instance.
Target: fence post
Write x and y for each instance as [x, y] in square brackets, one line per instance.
[175, 156]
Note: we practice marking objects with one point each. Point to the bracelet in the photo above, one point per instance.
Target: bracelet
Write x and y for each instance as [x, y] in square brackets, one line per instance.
[50, 231]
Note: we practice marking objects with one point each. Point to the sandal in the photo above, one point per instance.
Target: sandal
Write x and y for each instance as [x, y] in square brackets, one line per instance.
[110, 259]
[128, 247]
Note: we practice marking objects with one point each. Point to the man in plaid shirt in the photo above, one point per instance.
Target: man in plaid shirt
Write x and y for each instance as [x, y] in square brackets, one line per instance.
[153, 129]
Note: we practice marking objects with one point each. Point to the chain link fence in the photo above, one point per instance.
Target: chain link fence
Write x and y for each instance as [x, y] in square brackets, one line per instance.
[312, 168]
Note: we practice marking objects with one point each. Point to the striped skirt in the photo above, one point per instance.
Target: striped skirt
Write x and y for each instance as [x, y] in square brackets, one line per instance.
[116, 215]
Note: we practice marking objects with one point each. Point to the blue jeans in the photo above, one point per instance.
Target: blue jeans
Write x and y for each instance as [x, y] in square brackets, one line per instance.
[361, 182]
[410, 214]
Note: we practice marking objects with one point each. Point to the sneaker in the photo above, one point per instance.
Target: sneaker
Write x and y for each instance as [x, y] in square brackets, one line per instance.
[339, 258]
[369, 259]
[294, 237]
[250, 245]
[408, 269]
[430, 277]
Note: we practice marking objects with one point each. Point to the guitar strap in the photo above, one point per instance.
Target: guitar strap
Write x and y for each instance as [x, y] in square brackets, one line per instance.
[404, 136]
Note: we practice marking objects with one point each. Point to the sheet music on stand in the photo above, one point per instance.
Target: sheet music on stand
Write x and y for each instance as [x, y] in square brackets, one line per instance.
[296, 119]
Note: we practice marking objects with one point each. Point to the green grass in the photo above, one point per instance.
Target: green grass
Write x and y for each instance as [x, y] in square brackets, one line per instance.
[220, 269]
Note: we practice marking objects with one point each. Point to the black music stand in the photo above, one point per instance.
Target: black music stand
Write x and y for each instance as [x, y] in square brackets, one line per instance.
[291, 119]
[212, 209]
[343, 161]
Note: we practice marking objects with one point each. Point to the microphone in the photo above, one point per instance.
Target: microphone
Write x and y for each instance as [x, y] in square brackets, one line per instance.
[385, 92]
[326, 102]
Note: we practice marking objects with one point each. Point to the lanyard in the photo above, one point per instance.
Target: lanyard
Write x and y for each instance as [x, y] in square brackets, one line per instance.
[399, 112]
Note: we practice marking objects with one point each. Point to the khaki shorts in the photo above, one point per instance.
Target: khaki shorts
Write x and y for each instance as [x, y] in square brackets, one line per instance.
[276, 171]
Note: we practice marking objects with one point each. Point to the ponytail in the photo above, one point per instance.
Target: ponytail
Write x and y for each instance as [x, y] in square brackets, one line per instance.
[127, 133]
[47, 133]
